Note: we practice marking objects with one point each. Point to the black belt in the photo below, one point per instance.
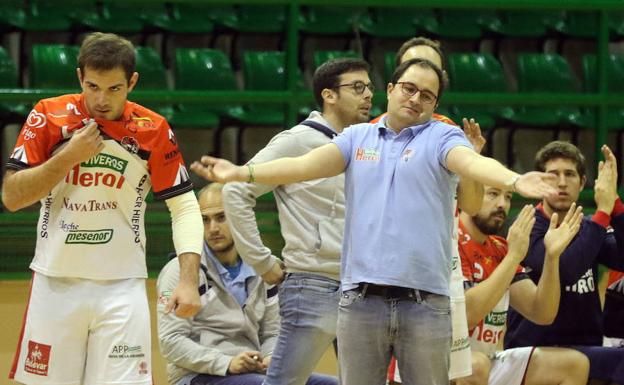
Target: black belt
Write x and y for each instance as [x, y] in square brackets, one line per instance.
[391, 292]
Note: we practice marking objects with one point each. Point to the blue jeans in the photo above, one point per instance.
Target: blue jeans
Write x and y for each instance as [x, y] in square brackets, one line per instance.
[251, 379]
[309, 312]
[372, 328]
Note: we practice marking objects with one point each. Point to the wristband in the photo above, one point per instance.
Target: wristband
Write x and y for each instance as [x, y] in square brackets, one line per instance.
[512, 183]
[250, 168]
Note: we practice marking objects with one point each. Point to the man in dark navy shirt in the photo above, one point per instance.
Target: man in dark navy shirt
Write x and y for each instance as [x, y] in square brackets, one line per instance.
[599, 241]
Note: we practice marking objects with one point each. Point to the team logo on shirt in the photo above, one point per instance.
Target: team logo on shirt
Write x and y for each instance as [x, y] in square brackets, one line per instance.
[130, 144]
[36, 119]
[38, 358]
[367, 154]
[407, 154]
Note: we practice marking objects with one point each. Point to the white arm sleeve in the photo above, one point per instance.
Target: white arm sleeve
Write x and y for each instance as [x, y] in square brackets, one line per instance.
[186, 223]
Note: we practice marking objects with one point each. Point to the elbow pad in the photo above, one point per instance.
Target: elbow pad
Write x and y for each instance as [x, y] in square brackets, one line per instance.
[186, 223]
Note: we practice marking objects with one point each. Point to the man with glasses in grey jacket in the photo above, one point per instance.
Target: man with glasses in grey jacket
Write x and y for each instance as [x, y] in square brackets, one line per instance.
[231, 340]
[312, 224]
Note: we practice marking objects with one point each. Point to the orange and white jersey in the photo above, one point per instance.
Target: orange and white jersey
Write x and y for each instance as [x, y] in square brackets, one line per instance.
[478, 263]
[91, 224]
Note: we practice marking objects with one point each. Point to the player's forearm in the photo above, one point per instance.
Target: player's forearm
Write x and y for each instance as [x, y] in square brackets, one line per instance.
[482, 298]
[25, 187]
[189, 268]
[548, 294]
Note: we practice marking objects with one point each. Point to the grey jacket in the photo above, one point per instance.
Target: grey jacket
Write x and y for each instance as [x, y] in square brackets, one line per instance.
[222, 329]
[311, 213]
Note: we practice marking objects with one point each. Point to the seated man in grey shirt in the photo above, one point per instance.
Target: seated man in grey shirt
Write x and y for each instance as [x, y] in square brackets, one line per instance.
[231, 339]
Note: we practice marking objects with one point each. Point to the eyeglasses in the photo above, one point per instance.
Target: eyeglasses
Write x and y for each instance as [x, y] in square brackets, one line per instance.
[358, 86]
[410, 89]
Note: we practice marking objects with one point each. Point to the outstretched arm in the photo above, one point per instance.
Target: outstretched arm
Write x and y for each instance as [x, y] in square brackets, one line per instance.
[466, 163]
[470, 192]
[322, 162]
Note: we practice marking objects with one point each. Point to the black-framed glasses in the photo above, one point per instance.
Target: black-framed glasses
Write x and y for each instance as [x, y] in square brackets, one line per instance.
[358, 86]
[410, 89]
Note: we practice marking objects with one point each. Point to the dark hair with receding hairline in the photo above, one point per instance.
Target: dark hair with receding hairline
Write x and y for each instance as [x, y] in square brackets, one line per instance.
[107, 51]
[327, 75]
[415, 42]
[560, 149]
[424, 63]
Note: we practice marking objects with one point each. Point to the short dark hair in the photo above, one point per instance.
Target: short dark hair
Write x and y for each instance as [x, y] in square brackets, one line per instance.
[416, 41]
[424, 63]
[560, 149]
[107, 51]
[327, 74]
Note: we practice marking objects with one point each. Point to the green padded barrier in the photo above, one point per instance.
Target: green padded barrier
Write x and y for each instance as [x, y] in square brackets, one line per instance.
[389, 65]
[388, 22]
[128, 17]
[461, 23]
[321, 57]
[616, 23]
[54, 66]
[188, 18]
[266, 18]
[479, 73]
[264, 71]
[326, 20]
[547, 73]
[42, 15]
[8, 79]
[579, 24]
[152, 76]
[525, 23]
[12, 14]
[202, 69]
[615, 83]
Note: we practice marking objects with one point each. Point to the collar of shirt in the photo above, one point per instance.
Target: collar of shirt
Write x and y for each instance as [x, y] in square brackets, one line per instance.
[383, 127]
[318, 117]
[245, 271]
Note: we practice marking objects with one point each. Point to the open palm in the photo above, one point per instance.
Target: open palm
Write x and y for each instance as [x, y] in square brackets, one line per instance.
[558, 238]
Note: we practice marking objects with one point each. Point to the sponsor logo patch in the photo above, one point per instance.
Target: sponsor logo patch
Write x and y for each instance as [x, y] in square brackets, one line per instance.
[36, 119]
[67, 226]
[124, 350]
[38, 358]
[367, 154]
[88, 179]
[28, 135]
[89, 237]
[143, 367]
[107, 161]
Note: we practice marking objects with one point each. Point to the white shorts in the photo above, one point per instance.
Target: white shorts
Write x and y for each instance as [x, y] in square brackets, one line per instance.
[461, 358]
[509, 366]
[84, 332]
